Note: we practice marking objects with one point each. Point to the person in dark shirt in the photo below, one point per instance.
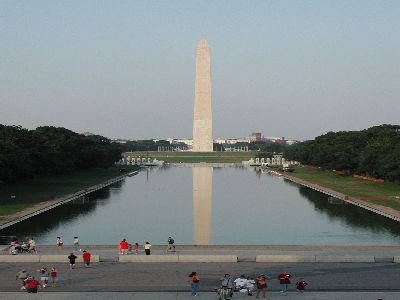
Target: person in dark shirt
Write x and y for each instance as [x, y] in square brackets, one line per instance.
[72, 257]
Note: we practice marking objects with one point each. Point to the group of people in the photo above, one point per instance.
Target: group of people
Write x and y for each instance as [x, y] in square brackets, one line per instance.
[60, 243]
[124, 247]
[245, 284]
[31, 284]
[17, 247]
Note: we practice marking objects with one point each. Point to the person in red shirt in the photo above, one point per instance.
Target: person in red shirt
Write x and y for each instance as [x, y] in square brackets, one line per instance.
[301, 285]
[123, 247]
[32, 284]
[53, 276]
[284, 280]
[86, 258]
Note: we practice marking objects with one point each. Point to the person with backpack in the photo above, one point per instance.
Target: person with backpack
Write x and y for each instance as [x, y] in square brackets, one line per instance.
[194, 283]
[72, 257]
[284, 280]
[261, 282]
[171, 245]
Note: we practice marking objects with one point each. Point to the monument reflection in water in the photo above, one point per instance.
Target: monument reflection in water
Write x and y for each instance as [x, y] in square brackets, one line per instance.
[202, 204]
[205, 205]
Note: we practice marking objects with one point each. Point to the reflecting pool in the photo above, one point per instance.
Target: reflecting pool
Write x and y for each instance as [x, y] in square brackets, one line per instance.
[205, 205]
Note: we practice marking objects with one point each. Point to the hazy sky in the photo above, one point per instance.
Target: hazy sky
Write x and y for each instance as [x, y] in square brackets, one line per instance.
[126, 68]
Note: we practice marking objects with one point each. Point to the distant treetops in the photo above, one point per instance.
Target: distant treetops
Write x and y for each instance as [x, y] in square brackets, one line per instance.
[51, 150]
[373, 152]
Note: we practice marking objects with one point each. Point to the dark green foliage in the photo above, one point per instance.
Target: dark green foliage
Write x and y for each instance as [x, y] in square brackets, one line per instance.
[144, 145]
[50, 150]
[373, 152]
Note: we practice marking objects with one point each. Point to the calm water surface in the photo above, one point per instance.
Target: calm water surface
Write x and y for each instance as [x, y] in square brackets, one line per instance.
[205, 205]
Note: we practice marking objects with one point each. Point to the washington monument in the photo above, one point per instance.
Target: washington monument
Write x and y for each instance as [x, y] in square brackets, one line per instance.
[202, 118]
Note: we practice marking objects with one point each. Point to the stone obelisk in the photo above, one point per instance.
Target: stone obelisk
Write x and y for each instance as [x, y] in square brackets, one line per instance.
[202, 118]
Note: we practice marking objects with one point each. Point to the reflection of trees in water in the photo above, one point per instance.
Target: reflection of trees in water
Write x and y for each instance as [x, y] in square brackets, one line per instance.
[59, 216]
[352, 215]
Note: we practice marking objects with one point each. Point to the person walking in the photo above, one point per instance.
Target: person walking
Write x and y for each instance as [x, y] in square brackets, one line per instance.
[147, 247]
[72, 257]
[76, 244]
[194, 283]
[32, 285]
[284, 280]
[53, 276]
[86, 256]
[261, 282]
[59, 242]
[22, 276]
[171, 245]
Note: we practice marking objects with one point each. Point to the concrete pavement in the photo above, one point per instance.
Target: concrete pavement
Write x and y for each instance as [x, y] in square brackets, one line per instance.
[204, 296]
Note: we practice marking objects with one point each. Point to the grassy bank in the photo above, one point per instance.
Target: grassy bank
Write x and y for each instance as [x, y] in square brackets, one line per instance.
[30, 192]
[385, 194]
[195, 157]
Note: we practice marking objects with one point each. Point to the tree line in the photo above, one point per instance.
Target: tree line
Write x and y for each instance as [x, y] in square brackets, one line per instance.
[372, 152]
[48, 150]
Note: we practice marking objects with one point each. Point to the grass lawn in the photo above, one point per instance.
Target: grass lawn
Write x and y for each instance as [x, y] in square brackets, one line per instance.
[31, 192]
[195, 157]
[385, 194]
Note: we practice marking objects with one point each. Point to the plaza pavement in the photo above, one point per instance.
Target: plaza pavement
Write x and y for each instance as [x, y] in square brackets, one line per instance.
[204, 296]
[110, 279]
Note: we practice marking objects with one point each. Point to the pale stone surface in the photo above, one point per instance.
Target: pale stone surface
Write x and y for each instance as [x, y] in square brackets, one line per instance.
[202, 118]
[64, 258]
[285, 258]
[345, 258]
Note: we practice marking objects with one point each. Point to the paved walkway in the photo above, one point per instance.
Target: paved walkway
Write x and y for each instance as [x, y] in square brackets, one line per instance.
[205, 296]
[244, 252]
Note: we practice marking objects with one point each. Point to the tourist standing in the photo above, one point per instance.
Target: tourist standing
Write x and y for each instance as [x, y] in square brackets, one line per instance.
[147, 247]
[284, 280]
[59, 242]
[76, 244]
[123, 247]
[86, 256]
[301, 285]
[44, 276]
[194, 283]
[72, 257]
[32, 245]
[136, 248]
[171, 245]
[261, 282]
[22, 276]
[53, 277]
[227, 280]
[32, 284]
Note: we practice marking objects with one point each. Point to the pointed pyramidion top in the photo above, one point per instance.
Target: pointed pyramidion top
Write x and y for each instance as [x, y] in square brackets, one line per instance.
[203, 43]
